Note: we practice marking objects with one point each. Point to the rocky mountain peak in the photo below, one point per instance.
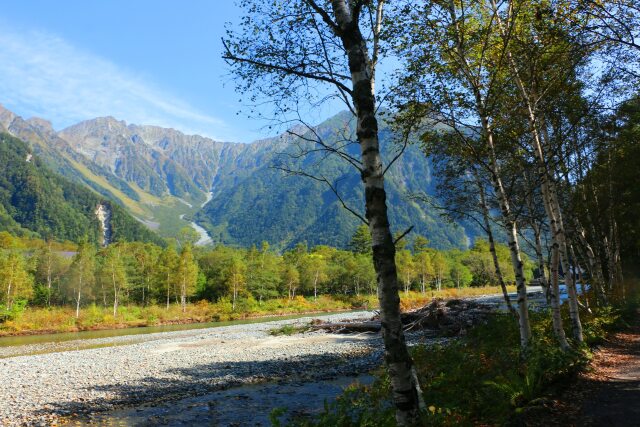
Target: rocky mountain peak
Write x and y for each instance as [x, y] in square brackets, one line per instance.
[94, 127]
[6, 118]
[41, 124]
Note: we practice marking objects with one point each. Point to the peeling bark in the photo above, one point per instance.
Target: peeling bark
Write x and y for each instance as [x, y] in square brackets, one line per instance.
[398, 360]
[554, 289]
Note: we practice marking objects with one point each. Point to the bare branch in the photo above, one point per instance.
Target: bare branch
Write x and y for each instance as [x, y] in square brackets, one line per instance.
[325, 16]
[407, 231]
[332, 187]
[230, 56]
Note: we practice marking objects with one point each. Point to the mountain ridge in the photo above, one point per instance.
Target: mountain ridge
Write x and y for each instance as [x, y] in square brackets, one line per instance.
[162, 176]
[35, 201]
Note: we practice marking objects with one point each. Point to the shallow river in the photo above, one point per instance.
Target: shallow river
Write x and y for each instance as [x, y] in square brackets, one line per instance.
[67, 341]
[248, 405]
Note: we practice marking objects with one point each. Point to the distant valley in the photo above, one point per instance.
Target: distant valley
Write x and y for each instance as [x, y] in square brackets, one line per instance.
[168, 180]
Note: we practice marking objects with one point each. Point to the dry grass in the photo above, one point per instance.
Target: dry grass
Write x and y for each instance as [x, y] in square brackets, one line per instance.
[62, 319]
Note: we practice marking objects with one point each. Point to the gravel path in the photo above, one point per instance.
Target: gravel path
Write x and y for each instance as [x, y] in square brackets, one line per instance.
[38, 389]
[606, 394]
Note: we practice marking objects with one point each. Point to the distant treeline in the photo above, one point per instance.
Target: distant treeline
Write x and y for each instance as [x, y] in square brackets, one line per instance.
[43, 273]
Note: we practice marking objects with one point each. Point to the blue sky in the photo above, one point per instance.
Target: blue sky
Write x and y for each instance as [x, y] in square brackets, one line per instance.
[145, 62]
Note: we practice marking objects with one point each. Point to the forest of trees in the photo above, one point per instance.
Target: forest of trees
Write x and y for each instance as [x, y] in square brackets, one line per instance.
[526, 109]
[37, 202]
[42, 274]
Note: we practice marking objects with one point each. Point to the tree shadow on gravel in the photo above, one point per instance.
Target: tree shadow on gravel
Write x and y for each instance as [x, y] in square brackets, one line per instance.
[206, 378]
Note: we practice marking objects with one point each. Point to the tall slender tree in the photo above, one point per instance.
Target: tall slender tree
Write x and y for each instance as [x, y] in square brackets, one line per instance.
[235, 274]
[551, 46]
[454, 76]
[287, 51]
[82, 274]
[166, 272]
[112, 271]
[15, 281]
[186, 275]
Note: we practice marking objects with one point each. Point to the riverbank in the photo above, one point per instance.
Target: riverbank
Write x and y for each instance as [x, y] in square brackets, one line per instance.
[170, 365]
[40, 320]
[144, 371]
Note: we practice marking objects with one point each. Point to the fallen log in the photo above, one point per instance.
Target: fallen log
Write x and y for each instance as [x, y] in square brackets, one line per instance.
[349, 327]
[448, 318]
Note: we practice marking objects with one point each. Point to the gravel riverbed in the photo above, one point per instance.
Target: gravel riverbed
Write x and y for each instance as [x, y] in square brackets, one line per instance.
[38, 389]
[152, 369]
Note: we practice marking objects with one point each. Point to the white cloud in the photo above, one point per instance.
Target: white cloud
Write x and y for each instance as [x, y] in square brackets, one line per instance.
[43, 75]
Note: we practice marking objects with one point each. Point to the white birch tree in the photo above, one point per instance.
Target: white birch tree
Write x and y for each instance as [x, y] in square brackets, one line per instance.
[303, 51]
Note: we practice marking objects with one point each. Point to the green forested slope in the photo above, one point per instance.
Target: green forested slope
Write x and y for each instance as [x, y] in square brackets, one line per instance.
[269, 205]
[34, 198]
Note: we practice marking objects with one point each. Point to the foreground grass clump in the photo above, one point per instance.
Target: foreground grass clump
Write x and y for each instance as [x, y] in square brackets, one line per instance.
[26, 320]
[288, 330]
[481, 378]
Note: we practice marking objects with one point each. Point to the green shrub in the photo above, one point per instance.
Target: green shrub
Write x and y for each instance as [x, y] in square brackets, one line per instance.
[288, 330]
[482, 378]
[14, 312]
[90, 317]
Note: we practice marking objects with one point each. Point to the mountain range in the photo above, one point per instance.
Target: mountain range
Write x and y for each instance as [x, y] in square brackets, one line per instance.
[237, 192]
[37, 202]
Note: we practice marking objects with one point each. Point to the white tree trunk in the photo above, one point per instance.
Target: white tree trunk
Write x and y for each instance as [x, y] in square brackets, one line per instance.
[398, 360]
[492, 246]
[235, 293]
[549, 195]
[512, 239]
[315, 286]
[115, 294]
[168, 291]
[554, 294]
[183, 295]
[49, 267]
[78, 301]
[576, 324]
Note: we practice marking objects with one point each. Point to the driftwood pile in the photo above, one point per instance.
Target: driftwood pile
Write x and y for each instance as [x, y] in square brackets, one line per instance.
[440, 317]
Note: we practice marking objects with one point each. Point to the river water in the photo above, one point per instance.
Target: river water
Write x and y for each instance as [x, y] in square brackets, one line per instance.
[70, 341]
[205, 238]
[248, 405]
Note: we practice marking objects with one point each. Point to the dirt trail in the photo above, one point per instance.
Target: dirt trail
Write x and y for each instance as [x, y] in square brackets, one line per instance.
[607, 395]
